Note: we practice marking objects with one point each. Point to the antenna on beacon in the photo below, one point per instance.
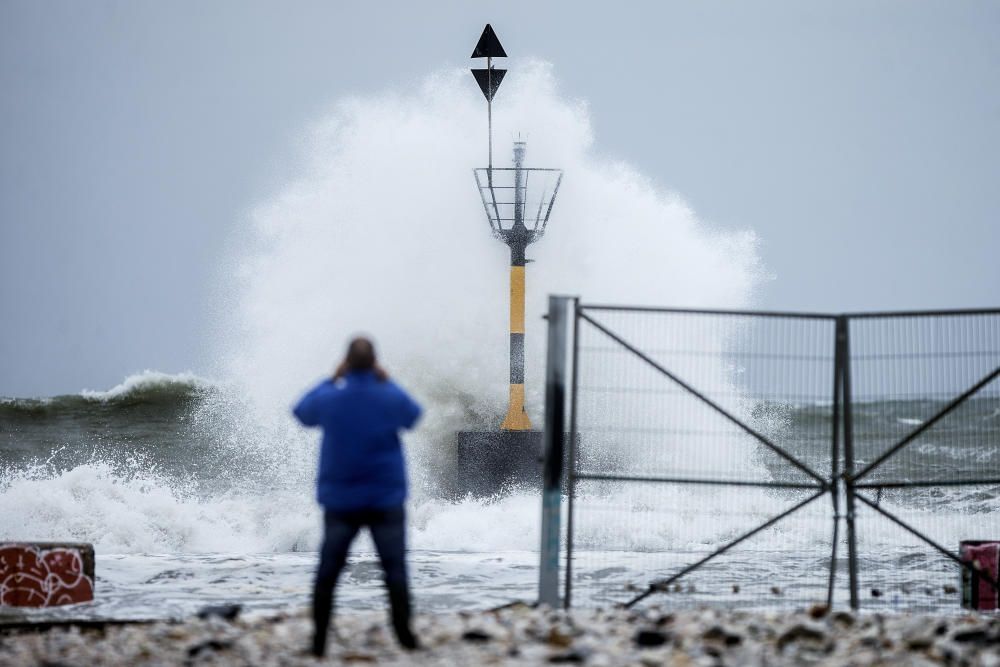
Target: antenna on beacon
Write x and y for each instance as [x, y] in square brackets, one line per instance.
[518, 201]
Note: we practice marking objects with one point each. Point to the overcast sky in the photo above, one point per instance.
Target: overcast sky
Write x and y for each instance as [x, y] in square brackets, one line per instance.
[860, 140]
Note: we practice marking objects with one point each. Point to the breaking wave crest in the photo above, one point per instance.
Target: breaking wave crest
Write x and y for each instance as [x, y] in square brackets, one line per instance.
[152, 386]
[148, 387]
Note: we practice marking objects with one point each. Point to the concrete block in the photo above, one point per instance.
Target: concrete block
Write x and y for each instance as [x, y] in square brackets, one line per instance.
[45, 574]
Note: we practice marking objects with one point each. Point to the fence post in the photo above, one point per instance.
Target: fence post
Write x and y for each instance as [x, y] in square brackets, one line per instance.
[574, 306]
[555, 406]
[840, 337]
[844, 341]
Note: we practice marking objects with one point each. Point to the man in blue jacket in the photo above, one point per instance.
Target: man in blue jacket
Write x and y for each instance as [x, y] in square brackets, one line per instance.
[362, 478]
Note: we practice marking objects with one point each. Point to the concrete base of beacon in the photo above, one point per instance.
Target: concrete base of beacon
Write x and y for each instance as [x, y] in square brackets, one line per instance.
[493, 463]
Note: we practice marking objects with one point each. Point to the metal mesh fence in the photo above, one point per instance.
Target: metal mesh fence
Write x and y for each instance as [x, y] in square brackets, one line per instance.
[716, 456]
[692, 430]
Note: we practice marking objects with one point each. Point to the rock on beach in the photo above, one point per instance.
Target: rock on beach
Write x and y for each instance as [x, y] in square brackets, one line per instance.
[522, 635]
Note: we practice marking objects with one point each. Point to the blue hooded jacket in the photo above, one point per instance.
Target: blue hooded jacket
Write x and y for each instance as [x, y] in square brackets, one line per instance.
[361, 458]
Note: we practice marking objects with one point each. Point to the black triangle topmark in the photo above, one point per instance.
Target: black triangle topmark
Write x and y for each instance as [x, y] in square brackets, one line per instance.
[489, 45]
[489, 83]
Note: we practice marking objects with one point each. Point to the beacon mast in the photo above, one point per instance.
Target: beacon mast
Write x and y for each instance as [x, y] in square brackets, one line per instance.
[505, 194]
[518, 201]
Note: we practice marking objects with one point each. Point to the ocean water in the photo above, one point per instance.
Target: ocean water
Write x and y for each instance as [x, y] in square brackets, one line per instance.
[179, 522]
[198, 488]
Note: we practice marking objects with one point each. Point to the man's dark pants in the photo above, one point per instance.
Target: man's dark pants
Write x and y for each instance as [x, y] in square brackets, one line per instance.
[388, 529]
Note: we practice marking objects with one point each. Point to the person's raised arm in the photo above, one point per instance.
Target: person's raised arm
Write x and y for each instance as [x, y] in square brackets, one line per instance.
[409, 411]
[307, 410]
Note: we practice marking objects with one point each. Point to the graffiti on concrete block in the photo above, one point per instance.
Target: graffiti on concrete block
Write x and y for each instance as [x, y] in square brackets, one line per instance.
[33, 577]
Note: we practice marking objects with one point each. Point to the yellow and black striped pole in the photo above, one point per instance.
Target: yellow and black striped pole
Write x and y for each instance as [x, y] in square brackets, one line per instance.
[517, 418]
[518, 238]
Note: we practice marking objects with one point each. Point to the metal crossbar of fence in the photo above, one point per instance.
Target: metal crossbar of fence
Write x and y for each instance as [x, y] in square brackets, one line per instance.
[700, 440]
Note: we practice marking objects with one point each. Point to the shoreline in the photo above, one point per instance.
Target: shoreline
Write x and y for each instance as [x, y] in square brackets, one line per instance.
[522, 635]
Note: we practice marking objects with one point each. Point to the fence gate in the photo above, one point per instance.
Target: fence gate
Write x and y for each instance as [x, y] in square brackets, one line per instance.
[742, 457]
[922, 460]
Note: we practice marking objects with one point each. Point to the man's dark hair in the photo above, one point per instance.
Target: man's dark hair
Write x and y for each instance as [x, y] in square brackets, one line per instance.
[361, 354]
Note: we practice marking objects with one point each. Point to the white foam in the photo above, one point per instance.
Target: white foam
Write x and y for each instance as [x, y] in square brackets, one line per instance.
[145, 513]
[145, 381]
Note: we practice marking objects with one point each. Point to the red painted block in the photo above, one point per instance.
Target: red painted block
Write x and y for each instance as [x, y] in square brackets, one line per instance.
[984, 556]
[45, 574]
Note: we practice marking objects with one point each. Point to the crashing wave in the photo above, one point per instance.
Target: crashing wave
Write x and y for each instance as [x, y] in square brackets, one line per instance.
[148, 387]
[151, 384]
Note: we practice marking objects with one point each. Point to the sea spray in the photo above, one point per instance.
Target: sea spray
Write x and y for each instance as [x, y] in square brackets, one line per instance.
[382, 231]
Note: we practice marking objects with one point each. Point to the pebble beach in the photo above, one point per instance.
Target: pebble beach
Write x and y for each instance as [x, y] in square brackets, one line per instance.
[522, 635]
